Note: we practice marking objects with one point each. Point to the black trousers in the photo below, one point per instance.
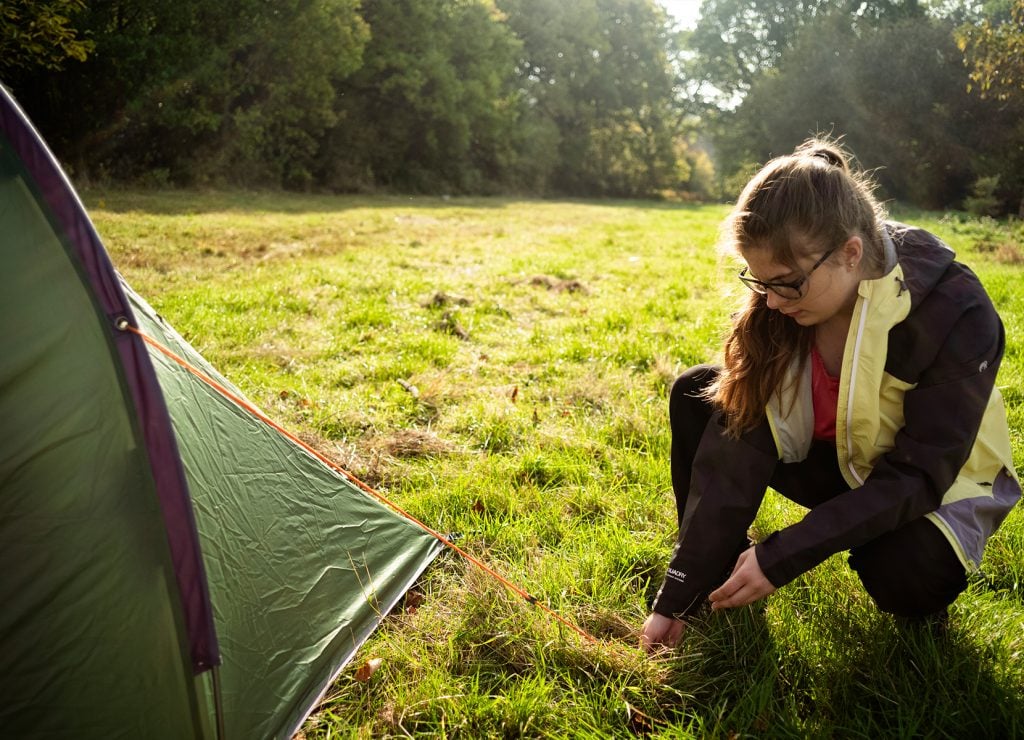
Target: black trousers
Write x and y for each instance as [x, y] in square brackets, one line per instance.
[911, 571]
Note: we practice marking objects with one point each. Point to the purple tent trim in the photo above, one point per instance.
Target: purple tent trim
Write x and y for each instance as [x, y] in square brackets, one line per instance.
[153, 417]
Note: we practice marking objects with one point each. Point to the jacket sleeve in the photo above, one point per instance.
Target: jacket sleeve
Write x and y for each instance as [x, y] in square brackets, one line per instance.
[728, 480]
[942, 415]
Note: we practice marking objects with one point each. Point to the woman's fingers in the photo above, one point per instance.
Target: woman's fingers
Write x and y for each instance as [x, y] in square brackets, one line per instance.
[732, 585]
[745, 594]
[729, 593]
[746, 585]
[661, 631]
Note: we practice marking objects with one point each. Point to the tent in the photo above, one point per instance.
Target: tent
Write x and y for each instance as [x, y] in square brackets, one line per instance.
[170, 566]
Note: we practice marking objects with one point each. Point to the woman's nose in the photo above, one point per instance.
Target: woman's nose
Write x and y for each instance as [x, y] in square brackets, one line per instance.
[775, 300]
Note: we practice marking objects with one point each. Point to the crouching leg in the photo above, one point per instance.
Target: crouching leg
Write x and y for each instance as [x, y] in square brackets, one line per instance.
[911, 572]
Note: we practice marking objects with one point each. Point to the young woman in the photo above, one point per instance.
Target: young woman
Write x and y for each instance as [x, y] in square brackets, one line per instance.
[858, 380]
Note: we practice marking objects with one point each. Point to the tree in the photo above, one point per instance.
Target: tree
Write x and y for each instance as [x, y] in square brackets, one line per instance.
[896, 92]
[258, 106]
[736, 41]
[994, 52]
[193, 91]
[596, 76]
[427, 95]
[431, 106]
[40, 34]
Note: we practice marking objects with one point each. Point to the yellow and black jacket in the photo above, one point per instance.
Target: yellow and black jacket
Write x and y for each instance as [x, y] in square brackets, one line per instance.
[920, 428]
[920, 431]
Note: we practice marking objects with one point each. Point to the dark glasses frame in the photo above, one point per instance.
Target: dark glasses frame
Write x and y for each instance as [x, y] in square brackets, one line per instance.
[791, 290]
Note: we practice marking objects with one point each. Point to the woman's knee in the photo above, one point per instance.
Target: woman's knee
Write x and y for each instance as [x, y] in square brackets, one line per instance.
[910, 572]
[689, 387]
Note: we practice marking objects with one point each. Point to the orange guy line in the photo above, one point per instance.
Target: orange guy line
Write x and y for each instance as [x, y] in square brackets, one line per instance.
[125, 326]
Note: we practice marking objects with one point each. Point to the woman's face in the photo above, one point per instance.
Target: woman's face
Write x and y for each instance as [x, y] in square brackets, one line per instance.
[828, 291]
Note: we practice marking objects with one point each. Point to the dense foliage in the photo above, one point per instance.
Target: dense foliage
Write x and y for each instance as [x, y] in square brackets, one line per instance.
[889, 76]
[34, 34]
[596, 97]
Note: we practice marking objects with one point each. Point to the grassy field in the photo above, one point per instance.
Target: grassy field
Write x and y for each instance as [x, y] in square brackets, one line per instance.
[501, 368]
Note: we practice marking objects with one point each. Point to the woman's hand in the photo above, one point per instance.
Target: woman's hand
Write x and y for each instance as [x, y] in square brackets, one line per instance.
[746, 585]
[661, 631]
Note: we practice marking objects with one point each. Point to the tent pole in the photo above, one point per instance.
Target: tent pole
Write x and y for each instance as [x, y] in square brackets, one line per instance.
[218, 704]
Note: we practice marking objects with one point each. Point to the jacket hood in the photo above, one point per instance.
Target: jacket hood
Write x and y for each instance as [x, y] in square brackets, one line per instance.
[923, 256]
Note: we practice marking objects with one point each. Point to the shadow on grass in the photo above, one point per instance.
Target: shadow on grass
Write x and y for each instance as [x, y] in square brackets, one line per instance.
[867, 680]
[729, 666]
[910, 682]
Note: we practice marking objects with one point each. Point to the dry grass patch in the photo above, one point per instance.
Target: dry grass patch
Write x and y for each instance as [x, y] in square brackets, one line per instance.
[556, 285]
[1001, 246]
[665, 371]
[1009, 254]
[364, 465]
[411, 443]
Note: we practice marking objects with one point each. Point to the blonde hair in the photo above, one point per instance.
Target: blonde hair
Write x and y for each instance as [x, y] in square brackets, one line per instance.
[797, 205]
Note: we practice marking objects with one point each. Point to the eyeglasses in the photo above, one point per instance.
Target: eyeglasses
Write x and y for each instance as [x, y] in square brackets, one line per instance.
[790, 291]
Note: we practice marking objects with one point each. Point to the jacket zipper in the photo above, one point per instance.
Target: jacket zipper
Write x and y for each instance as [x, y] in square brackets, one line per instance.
[850, 391]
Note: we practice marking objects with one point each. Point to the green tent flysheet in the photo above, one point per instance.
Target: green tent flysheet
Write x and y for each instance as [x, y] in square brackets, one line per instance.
[170, 565]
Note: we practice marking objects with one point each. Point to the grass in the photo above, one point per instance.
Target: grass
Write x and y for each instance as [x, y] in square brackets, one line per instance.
[500, 368]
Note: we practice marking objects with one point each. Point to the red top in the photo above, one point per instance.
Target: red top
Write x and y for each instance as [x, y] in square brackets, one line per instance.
[825, 394]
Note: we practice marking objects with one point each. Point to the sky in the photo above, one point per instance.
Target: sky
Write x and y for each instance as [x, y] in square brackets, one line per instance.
[684, 11]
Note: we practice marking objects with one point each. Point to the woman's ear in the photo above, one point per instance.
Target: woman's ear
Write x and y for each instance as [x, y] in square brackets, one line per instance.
[852, 252]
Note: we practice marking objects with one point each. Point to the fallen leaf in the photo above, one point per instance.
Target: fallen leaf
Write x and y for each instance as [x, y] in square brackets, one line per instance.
[515, 393]
[367, 669]
[478, 507]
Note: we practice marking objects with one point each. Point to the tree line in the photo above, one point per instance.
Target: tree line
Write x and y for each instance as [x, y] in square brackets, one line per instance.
[539, 97]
